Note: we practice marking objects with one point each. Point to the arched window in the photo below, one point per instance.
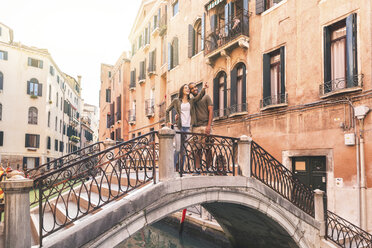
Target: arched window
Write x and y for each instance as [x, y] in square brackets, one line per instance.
[34, 88]
[32, 115]
[1, 80]
[238, 89]
[220, 95]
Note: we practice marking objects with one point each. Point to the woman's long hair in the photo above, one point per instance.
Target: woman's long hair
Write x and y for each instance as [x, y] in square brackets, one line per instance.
[180, 93]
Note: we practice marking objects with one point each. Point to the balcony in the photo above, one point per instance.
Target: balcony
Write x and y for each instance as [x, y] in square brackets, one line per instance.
[341, 85]
[227, 37]
[74, 139]
[162, 108]
[275, 101]
[221, 113]
[86, 120]
[74, 122]
[132, 116]
[150, 107]
[238, 109]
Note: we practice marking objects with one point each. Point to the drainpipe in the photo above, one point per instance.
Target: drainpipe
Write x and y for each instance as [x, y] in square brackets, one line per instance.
[360, 114]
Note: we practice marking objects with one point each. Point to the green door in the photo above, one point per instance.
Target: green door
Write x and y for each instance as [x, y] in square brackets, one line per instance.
[312, 172]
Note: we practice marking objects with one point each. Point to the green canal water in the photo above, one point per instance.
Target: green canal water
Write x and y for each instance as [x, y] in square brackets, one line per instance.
[164, 234]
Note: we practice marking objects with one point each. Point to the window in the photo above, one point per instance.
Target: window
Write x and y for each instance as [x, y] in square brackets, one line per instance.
[1, 138]
[133, 135]
[142, 75]
[139, 134]
[34, 88]
[49, 119]
[61, 145]
[109, 74]
[175, 7]
[3, 55]
[173, 53]
[238, 89]
[273, 78]
[340, 55]
[56, 145]
[51, 70]
[61, 104]
[56, 124]
[133, 79]
[152, 61]
[1, 111]
[1, 80]
[48, 143]
[60, 126]
[32, 115]
[195, 39]
[32, 140]
[108, 95]
[163, 51]
[118, 134]
[35, 63]
[118, 108]
[57, 79]
[139, 41]
[220, 94]
[262, 5]
[50, 92]
[57, 99]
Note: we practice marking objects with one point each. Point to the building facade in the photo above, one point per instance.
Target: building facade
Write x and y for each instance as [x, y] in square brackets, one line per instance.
[114, 100]
[39, 105]
[90, 122]
[293, 75]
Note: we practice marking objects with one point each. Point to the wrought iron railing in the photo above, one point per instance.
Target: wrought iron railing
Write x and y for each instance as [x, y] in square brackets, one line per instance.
[220, 113]
[64, 160]
[271, 172]
[237, 108]
[77, 189]
[346, 234]
[201, 153]
[274, 100]
[227, 32]
[339, 85]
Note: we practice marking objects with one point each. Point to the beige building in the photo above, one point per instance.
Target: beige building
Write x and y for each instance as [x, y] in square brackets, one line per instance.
[293, 75]
[39, 105]
[90, 118]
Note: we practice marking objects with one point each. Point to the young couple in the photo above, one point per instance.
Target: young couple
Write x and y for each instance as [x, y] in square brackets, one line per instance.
[193, 112]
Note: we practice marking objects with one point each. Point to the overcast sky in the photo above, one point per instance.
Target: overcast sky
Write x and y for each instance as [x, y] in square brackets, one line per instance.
[79, 34]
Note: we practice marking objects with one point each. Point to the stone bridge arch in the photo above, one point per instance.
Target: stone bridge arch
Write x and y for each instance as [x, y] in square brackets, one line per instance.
[110, 226]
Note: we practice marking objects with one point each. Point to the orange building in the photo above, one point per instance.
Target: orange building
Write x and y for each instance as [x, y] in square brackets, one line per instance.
[293, 75]
[113, 100]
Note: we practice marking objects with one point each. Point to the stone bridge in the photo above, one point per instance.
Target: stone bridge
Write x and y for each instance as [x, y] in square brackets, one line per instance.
[247, 210]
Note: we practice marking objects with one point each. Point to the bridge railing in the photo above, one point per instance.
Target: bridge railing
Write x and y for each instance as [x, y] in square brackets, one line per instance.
[207, 154]
[81, 187]
[271, 172]
[346, 234]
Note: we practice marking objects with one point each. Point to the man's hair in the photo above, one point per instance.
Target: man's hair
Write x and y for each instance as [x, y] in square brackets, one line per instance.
[191, 84]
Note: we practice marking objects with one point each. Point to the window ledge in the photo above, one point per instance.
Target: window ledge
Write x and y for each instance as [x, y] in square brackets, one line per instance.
[341, 91]
[155, 31]
[196, 55]
[274, 106]
[131, 88]
[174, 68]
[141, 81]
[132, 122]
[146, 47]
[273, 8]
[31, 148]
[220, 118]
[33, 97]
[239, 114]
[150, 73]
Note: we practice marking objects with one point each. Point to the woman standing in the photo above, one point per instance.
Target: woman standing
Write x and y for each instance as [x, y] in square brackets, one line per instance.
[183, 105]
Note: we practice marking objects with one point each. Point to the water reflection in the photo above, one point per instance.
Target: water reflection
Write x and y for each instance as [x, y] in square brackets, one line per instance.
[164, 234]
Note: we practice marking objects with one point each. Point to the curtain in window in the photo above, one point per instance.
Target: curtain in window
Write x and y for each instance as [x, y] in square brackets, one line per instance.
[338, 58]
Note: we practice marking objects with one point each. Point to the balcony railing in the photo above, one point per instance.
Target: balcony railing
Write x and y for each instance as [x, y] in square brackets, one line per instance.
[274, 101]
[234, 109]
[150, 107]
[162, 108]
[219, 113]
[132, 116]
[341, 85]
[227, 33]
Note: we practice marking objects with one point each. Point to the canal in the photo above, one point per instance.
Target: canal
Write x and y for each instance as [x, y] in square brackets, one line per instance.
[164, 234]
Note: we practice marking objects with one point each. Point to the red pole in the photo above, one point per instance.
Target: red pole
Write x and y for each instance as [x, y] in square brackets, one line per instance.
[182, 221]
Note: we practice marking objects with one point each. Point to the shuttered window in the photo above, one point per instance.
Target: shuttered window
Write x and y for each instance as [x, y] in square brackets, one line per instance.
[262, 5]
[118, 107]
[220, 95]
[238, 89]
[56, 145]
[1, 80]
[35, 63]
[152, 61]
[173, 54]
[32, 140]
[108, 95]
[34, 88]
[1, 138]
[340, 55]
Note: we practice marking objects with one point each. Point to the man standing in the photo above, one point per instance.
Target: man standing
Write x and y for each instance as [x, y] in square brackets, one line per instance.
[203, 112]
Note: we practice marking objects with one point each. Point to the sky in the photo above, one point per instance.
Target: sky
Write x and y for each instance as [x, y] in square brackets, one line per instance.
[79, 34]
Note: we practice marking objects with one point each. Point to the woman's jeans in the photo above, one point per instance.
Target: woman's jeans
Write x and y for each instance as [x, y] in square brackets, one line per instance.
[177, 148]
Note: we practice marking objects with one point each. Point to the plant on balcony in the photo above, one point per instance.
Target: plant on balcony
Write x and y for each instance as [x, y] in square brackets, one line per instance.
[34, 97]
[74, 138]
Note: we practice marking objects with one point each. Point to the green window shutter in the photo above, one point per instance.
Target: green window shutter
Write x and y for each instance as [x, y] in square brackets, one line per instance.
[150, 62]
[202, 31]
[28, 87]
[29, 61]
[26, 140]
[216, 94]
[282, 70]
[37, 162]
[154, 60]
[260, 6]
[327, 59]
[40, 64]
[37, 141]
[1, 138]
[169, 56]
[266, 76]
[175, 48]
[40, 90]
[244, 89]
[233, 91]
[5, 55]
[351, 50]
[191, 41]
[225, 93]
